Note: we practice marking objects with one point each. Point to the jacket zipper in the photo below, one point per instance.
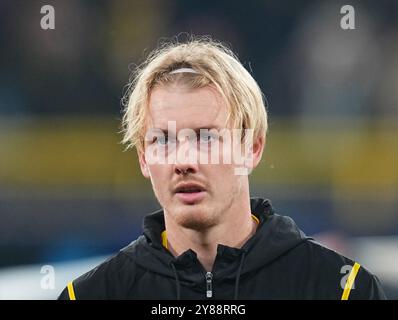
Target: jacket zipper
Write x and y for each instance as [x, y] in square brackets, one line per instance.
[209, 285]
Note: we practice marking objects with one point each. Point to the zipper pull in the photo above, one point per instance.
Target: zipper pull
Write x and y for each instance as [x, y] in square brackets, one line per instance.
[209, 287]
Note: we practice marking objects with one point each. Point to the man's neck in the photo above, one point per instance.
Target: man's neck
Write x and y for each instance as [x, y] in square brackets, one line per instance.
[233, 232]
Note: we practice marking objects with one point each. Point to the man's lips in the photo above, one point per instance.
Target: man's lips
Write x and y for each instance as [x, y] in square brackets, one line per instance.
[189, 187]
[191, 197]
[190, 192]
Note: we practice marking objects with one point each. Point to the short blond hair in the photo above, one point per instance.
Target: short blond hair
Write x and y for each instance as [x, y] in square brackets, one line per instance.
[215, 65]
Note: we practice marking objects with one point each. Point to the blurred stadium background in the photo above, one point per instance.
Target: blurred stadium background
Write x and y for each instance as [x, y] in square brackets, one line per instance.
[70, 196]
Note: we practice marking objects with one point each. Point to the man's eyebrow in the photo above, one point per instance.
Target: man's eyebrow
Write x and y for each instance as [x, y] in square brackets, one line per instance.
[165, 131]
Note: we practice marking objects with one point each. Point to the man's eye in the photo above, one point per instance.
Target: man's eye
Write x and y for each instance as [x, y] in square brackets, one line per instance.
[208, 137]
[162, 141]
[165, 140]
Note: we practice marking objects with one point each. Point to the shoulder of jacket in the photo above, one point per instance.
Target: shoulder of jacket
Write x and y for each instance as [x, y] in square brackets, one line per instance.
[353, 279]
[324, 254]
[109, 280]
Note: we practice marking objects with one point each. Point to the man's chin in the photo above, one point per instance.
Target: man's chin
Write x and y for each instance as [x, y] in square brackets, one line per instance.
[196, 224]
[195, 218]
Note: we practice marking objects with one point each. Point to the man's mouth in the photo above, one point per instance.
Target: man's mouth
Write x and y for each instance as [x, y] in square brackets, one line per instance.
[190, 193]
[189, 188]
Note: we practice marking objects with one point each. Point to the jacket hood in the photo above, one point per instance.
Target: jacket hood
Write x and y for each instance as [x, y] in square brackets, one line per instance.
[277, 262]
[275, 236]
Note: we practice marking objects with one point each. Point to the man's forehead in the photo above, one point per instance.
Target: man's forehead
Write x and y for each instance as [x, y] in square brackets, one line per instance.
[188, 117]
[188, 108]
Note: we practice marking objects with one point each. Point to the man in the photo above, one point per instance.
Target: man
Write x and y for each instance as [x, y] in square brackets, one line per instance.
[211, 240]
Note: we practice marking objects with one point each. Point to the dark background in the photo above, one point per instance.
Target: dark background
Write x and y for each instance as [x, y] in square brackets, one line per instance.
[67, 188]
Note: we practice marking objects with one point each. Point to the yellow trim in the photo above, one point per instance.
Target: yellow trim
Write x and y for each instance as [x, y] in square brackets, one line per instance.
[255, 219]
[164, 240]
[350, 281]
[71, 291]
[164, 234]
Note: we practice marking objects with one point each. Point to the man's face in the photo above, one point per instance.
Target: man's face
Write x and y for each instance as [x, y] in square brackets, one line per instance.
[220, 186]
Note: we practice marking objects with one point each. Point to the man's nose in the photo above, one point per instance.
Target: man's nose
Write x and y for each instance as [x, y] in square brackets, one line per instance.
[186, 158]
[185, 169]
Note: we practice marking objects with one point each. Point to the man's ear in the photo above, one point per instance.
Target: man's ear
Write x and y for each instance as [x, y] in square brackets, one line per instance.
[143, 164]
[256, 153]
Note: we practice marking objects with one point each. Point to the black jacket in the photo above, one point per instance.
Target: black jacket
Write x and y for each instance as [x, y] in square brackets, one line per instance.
[278, 262]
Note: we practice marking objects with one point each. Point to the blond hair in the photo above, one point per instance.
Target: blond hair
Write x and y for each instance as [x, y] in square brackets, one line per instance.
[215, 65]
